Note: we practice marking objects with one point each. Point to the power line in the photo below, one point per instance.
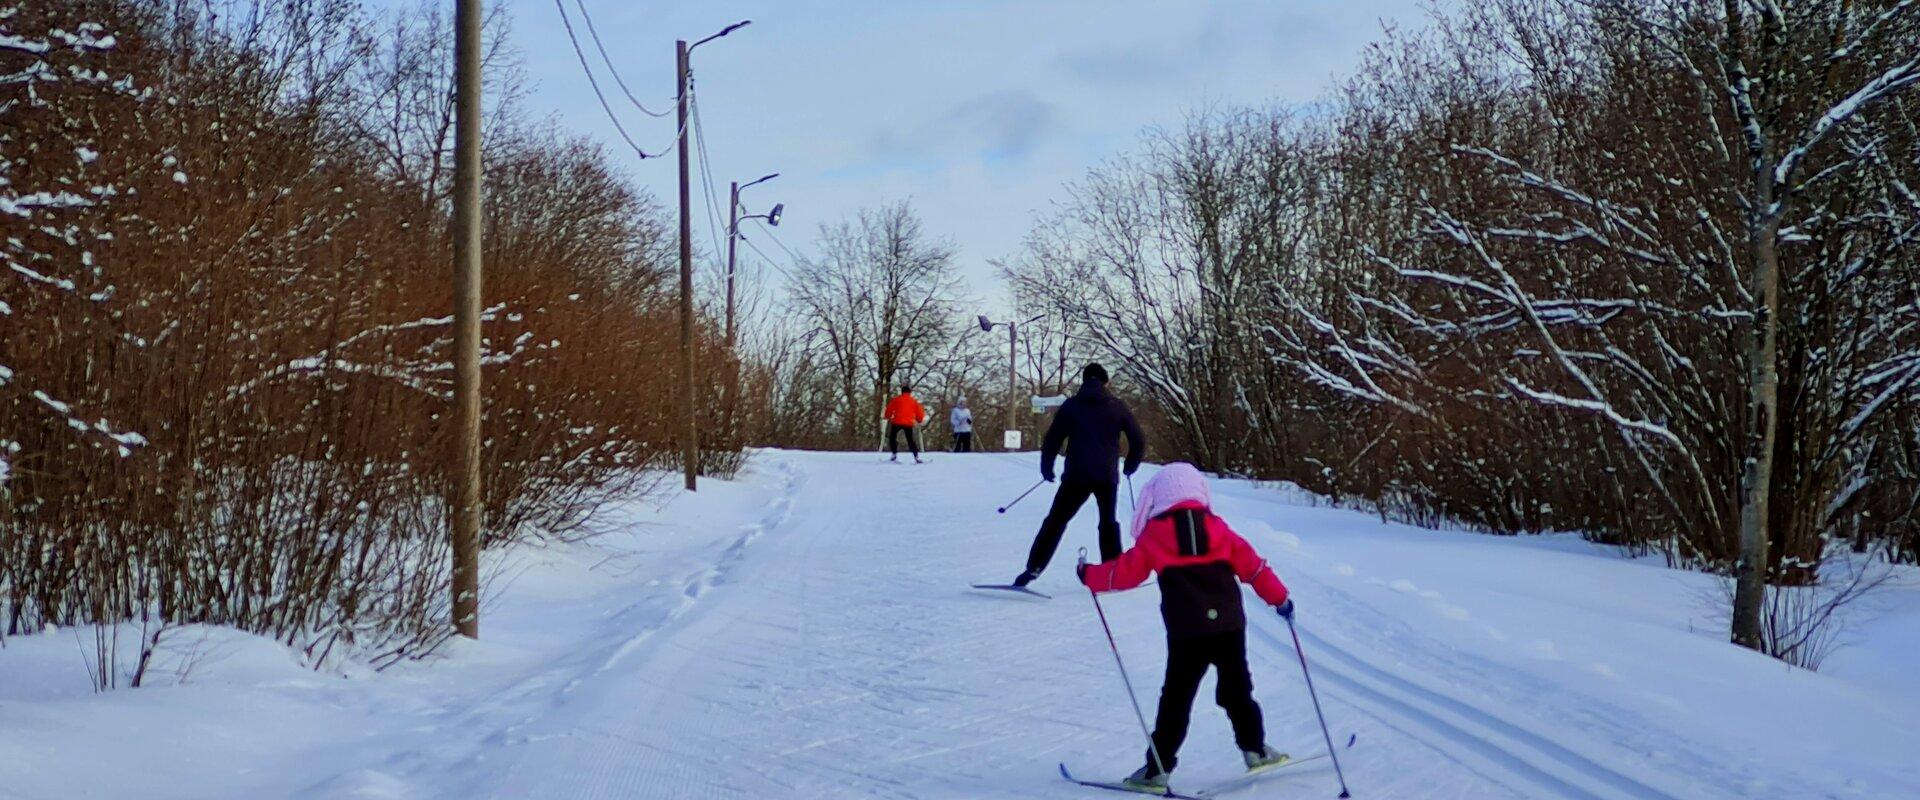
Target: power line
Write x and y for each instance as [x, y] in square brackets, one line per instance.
[595, 35]
[567, 23]
[766, 258]
[783, 245]
[706, 174]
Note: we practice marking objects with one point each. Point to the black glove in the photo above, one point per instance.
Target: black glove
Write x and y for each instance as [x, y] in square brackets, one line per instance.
[1046, 474]
[1131, 468]
[1285, 609]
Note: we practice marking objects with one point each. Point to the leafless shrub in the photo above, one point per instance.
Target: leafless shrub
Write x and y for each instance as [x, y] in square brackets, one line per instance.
[236, 373]
[1644, 270]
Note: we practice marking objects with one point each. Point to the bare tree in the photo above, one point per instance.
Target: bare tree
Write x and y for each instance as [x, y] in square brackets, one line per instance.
[883, 305]
[1656, 214]
[1163, 263]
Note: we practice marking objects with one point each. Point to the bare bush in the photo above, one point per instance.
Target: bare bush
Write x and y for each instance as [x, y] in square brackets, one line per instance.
[253, 362]
[1641, 270]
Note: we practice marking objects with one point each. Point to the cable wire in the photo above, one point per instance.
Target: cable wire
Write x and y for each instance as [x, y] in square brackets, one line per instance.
[595, 35]
[566, 22]
[776, 240]
[706, 180]
[766, 258]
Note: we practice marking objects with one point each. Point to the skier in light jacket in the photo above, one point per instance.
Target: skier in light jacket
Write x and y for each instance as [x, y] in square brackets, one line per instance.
[1201, 563]
[960, 419]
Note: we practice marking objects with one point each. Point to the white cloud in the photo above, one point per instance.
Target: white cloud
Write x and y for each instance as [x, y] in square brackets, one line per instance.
[978, 111]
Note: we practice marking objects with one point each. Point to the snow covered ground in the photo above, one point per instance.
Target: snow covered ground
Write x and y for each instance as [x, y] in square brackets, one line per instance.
[807, 632]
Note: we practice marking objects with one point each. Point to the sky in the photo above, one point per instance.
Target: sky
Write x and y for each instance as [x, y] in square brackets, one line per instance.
[976, 112]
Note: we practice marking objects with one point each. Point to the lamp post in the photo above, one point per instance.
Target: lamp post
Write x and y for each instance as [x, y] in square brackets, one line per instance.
[733, 236]
[690, 432]
[1013, 391]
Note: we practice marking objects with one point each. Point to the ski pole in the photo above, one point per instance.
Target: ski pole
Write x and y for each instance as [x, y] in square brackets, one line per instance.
[1152, 748]
[1130, 497]
[1023, 495]
[1316, 708]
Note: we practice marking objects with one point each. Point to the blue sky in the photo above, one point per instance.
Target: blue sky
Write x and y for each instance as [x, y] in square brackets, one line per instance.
[978, 112]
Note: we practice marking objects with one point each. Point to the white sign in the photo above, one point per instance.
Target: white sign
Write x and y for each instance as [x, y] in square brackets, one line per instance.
[1041, 404]
[1012, 441]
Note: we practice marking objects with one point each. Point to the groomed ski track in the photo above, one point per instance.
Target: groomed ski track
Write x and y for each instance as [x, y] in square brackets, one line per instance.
[841, 653]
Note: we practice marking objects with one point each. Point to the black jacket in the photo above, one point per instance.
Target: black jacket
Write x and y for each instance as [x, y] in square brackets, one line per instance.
[1090, 423]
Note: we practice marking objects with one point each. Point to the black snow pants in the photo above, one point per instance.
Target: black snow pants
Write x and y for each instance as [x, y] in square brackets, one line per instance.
[893, 439]
[1066, 503]
[963, 442]
[1187, 662]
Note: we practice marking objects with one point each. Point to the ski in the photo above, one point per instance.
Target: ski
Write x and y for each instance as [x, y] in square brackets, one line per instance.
[1008, 587]
[1252, 776]
[1121, 787]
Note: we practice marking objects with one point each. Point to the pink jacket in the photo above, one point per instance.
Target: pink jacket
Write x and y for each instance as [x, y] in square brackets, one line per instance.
[1201, 556]
[1157, 551]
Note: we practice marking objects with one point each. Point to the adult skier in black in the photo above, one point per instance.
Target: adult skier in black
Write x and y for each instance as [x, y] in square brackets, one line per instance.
[1090, 424]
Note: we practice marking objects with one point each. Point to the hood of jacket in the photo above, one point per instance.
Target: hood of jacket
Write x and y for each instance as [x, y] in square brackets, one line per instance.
[1175, 485]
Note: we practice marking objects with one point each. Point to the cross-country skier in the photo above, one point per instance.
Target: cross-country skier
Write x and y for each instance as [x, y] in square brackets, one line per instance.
[1201, 563]
[904, 413]
[960, 419]
[1090, 424]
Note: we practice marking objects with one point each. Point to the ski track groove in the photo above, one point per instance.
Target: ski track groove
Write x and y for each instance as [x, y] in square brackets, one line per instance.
[1451, 727]
[822, 673]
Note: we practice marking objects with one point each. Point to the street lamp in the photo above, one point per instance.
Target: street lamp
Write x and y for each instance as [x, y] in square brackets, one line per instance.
[1011, 438]
[723, 31]
[690, 424]
[733, 236]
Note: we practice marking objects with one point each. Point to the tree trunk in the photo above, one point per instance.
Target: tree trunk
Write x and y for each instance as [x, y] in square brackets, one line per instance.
[1763, 423]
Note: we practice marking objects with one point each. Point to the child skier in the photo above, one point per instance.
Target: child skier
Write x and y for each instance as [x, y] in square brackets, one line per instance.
[1201, 563]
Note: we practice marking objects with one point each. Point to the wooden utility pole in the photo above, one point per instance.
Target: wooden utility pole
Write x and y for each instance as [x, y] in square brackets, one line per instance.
[733, 233]
[466, 319]
[690, 432]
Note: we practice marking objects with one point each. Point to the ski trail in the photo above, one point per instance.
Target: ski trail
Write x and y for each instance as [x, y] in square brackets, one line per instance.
[777, 512]
[1493, 747]
[531, 711]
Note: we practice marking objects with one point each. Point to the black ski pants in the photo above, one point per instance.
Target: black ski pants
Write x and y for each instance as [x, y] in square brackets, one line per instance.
[1187, 662]
[1066, 503]
[963, 442]
[893, 439]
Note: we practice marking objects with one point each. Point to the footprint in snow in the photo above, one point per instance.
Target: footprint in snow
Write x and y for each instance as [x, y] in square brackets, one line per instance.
[1403, 586]
[1343, 570]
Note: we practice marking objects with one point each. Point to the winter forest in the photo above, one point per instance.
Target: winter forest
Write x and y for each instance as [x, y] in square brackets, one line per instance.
[1641, 273]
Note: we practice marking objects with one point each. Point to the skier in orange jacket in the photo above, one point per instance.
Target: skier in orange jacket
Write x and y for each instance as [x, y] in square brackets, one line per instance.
[904, 413]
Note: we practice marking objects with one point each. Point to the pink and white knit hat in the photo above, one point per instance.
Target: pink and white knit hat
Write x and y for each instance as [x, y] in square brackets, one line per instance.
[1174, 484]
